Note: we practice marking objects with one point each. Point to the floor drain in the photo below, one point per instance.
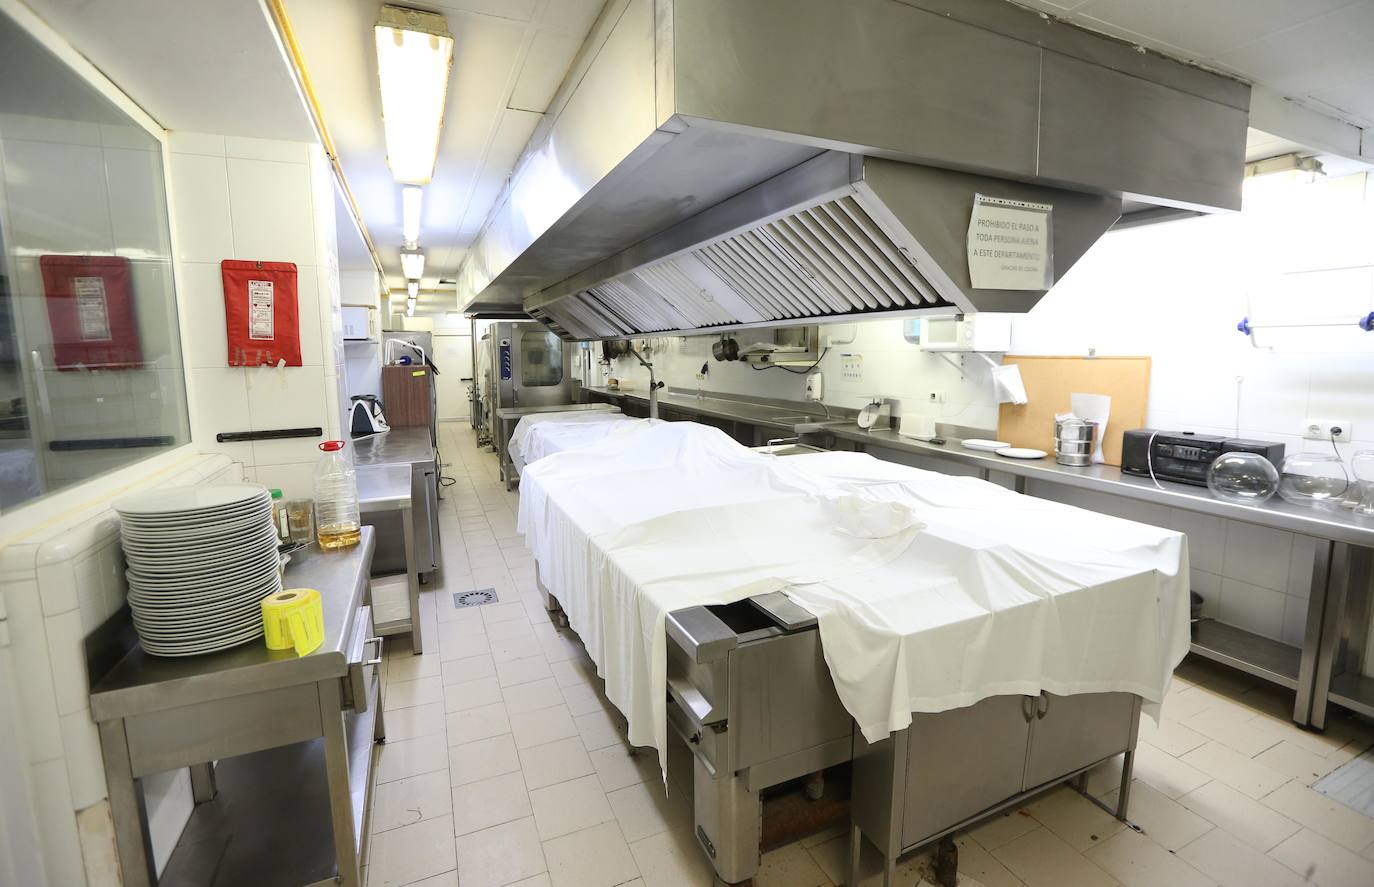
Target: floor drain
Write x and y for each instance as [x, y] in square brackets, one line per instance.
[474, 598]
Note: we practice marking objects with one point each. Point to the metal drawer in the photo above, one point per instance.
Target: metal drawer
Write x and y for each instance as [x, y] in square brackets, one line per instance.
[706, 741]
[364, 655]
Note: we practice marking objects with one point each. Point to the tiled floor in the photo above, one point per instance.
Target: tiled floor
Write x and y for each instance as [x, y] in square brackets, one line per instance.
[504, 765]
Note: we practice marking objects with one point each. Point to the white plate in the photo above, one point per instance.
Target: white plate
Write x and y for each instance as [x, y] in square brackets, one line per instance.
[196, 497]
[1022, 453]
[200, 583]
[991, 446]
[179, 559]
[198, 524]
[176, 650]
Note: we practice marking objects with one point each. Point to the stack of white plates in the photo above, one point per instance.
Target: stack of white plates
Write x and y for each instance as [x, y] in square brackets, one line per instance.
[201, 558]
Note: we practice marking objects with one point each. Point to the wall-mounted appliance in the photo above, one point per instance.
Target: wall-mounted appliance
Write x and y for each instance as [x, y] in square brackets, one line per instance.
[973, 332]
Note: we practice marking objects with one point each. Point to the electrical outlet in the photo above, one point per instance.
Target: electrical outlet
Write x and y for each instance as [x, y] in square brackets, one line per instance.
[852, 367]
[1326, 429]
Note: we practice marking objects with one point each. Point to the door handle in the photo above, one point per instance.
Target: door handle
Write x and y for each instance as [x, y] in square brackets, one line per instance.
[1027, 708]
[1042, 705]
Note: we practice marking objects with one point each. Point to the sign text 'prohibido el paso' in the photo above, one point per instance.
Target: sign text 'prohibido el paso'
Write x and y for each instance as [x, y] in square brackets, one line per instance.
[1009, 244]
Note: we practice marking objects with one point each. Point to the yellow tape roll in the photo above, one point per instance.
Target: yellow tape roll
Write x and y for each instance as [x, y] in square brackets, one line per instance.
[293, 618]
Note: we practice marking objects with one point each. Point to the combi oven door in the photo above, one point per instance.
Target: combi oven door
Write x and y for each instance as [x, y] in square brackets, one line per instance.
[534, 366]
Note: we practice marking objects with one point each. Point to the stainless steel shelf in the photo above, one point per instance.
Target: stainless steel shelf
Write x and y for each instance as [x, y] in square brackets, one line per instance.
[1355, 692]
[1249, 652]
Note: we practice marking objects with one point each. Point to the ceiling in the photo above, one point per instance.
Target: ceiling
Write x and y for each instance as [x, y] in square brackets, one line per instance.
[1320, 52]
[509, 58]
[160, 55]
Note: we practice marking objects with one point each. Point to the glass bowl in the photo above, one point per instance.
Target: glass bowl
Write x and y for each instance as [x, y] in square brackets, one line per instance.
[1248, 478]
[1313, 479]
[1362, 466]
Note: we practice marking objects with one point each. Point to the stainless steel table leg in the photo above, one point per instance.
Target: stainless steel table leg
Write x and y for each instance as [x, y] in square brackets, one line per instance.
[126, 808]
[1309, 691]
[412, 579]
[856, 847]
[1123, 798]
[203, 782]
[340, 792]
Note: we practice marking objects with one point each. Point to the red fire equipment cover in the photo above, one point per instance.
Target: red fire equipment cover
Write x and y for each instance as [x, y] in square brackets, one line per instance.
[91, 312]
[260, 313]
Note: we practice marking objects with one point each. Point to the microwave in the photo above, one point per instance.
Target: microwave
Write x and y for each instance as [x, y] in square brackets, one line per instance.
[970, 332]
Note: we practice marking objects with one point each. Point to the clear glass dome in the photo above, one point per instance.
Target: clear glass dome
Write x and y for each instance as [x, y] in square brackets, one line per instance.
[1243, 477]
[1363, 467]
[1313, 479]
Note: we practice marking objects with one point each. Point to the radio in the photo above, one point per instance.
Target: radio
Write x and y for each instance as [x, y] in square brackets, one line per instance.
[1185, 456]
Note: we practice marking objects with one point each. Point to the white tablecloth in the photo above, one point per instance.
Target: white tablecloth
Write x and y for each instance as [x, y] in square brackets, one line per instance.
[541, 434]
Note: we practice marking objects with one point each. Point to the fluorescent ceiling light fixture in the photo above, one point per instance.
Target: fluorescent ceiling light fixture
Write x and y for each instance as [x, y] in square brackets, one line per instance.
[412, 264]
[410, 215]
[1284, 163]
[412, 290]
[414, 55]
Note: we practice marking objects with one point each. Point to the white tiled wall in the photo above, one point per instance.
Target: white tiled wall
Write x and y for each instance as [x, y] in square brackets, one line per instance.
[1175, 292]
[57, 584]
[257, 199]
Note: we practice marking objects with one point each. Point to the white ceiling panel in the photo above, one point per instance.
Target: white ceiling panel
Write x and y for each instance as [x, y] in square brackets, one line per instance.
[1206, 27]
[509, 58]
[1327, 52]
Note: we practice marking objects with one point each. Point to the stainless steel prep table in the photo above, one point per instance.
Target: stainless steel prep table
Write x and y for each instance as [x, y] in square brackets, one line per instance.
[413, 447]
[1328, 666]
[157, 714]
[385, 490]
[507, 417]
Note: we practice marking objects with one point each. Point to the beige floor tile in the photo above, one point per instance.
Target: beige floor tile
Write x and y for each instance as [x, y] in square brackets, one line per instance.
[470, 695]
[1003, 829]
[1324, 862]
[546, 725]
[1239, 814]
[646, 809]
[400, 758]
[790, 866]
[977, 863]
[408, 801]
[1136, 861]
[461, 671]
[1231, 862]
[617, 767]
[1238, 729]
[411, 667]
[566, 807]
[522, 671]
[482, 759]
[572, 672]
[1330, 819]
[1169, 736]
[447, 879]
[1041, 859]
[583, 699]
[488, 802]
[408, 854]
[1167, 773]
[477, 723]
[1106, 777]
[511, 629]
[599, 729]
[1185, 704]
[560, 648]
[463, 647]
[408, 723]
[500, 855]
[594, 857]
[517, 648]
[541, 880]
[1075, 819]
[1165, 821]
[555, 762]
[672, 859]
[407, 694]
[502, 612]
[1234, 769]
[833, 858]
[1291, 759]
[533, 696]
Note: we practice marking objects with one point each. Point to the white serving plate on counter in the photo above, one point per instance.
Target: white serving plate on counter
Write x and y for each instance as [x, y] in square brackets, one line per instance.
[1022, 453]
[988, 446]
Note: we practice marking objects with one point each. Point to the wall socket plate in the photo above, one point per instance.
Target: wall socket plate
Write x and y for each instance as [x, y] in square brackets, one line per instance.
[852, 367]
[1326, 429]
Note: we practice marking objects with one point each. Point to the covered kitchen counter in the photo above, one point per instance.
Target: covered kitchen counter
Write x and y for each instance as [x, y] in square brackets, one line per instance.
[278, 744]
[508, 417]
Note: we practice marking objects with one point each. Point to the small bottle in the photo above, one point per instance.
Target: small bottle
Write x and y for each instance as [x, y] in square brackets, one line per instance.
[336, 499]
[279, 519]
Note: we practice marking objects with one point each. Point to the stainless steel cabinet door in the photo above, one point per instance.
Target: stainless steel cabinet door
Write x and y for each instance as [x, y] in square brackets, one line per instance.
[1071, 732]
[961, 762]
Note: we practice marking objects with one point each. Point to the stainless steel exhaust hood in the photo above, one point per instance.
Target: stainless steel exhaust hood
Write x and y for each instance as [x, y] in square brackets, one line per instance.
[712, 164]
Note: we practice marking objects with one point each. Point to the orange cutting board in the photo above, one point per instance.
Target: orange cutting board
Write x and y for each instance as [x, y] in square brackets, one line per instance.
[1050, 381]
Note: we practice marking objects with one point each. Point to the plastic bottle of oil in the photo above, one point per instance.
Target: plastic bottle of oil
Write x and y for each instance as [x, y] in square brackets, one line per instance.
[336, 498]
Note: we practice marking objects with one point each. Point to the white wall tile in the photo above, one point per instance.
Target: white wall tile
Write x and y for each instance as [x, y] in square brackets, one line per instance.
[181, 142]
[266, 149]
[294, 479]
[57, 586]
[29, 646]
[200, 201]
[1258, 555]
[1300, 566]
[138, 215]
[270, 211]
[1252, 607]
[68, 662]
[1294, 620]
[85, 768]
[202, 295]
[49, 189]
[222, 394]
[52, 802]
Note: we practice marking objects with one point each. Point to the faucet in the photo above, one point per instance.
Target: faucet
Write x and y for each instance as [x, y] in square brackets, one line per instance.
[654, 384]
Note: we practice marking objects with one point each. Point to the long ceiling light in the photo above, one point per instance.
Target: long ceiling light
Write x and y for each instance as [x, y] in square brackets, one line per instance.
[410, 215]
[414, 55]
[412, 290]
[412, 264]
